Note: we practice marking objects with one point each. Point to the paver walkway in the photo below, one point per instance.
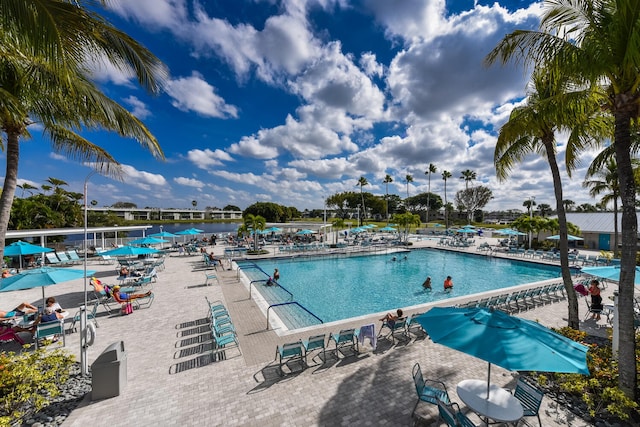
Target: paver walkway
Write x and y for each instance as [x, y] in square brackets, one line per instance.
[173, 380]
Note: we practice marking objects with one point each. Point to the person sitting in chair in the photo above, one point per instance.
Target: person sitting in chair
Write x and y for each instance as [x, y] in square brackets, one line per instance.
[390, 318]
[124, 297]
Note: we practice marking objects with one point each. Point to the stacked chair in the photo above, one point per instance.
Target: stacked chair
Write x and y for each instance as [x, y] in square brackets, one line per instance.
[223, 332]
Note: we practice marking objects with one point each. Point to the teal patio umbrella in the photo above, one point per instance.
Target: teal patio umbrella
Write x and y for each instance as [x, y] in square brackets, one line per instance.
[507, 341]
[570, 238]
[387, 228]
[162, 234]
[130, 251]
[303, 232]
[610, 272]
[147, 241]
[21, 248]
[44, 276]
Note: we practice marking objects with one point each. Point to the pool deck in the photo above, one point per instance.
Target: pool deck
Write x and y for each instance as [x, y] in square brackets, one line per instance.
[172, 379]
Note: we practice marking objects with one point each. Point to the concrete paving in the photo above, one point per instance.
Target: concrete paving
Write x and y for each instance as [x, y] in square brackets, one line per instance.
[173, 377]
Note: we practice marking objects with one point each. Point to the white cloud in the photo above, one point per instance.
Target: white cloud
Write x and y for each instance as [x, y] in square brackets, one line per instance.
[140, 109]
[189, 182]
[195, 94]
[204, 159]
[152, 13]
[142, 179]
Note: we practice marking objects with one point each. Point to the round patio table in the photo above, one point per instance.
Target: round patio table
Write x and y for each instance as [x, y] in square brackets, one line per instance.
[501, 405]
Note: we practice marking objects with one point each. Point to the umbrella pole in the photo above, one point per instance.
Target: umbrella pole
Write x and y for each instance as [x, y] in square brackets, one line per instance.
[488, 381]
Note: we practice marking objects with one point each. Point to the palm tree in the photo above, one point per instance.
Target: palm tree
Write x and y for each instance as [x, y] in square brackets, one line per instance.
[600, 49]
[529, 204]
[26, 187]
[43, 80]
[430, 170]
[387, 179]
[603, 180]
[362, 181]
[531, 129]
[407, 179]
[468, 176]
[545, 209]
[568, 204]
[254, 224]
[194, 203]
[406, 220]
[446, 175]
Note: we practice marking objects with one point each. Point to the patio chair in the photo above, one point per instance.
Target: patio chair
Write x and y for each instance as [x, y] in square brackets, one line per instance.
[8, 335]
[343, 339]
[290, 351]
[91, 315]
[591, 310]
[74, 257]
[396, 327]
[210, 276]
[315, 342]
[49, 332]
[430, 391]
[448, 413]
[530, 397]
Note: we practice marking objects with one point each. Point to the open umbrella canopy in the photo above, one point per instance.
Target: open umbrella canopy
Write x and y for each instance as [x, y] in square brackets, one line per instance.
[44, 276]
[130, 251]
[510, 232]
[569, 238]
[273, 230]
[302, 232]
[148, 241]
[469, 226]
[189, 232]
[387, 228]
[163, 234]
[24, 248]
[466, 230]
[507, 341]
[610, 272]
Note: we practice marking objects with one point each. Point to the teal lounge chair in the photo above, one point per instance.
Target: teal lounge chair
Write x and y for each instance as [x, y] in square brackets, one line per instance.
[430, 391]
[315, 342]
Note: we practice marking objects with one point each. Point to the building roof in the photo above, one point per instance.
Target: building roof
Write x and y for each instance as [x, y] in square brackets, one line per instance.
[595, 222]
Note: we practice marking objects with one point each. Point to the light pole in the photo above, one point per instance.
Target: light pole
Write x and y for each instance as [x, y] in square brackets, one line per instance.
[84, 363]
[531, 201]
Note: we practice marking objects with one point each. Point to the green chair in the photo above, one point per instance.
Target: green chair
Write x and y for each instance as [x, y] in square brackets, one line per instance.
[345, 338]
[530, 397]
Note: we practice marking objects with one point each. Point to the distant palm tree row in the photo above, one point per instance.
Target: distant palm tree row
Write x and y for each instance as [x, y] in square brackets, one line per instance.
[467, 175]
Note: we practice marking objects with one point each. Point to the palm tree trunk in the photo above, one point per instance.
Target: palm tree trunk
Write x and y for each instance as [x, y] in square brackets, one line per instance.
[627, 348]
[572, 299]
[428, 197]
[10, 183]
[615, 226]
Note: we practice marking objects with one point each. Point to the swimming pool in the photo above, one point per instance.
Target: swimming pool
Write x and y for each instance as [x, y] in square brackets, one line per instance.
[336, 288]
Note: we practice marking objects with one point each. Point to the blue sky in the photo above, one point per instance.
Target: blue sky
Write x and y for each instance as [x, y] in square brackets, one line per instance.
[292, 101]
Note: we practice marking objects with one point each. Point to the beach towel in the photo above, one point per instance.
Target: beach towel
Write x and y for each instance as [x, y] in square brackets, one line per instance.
[581, 289]
[368, 331]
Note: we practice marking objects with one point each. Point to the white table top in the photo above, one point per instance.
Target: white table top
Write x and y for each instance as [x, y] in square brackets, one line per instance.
[500, 406]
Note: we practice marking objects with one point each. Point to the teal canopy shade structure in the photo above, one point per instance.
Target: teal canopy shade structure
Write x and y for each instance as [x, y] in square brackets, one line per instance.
[387, 228]
[163, 234]
[303, 232]
[24, 248]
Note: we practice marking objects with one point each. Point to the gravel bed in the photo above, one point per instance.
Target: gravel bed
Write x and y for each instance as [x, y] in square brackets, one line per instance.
[71, 394]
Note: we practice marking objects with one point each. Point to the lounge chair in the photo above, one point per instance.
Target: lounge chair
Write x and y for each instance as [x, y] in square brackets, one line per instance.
[345, 338]
[210, 276]
[430, 391]
[53, 259]
[315, 342]
[7, 335]
[74, 257]
[290, 351]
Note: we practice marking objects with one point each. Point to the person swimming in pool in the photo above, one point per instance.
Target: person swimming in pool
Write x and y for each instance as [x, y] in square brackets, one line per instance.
[427, 284]
[448, 283]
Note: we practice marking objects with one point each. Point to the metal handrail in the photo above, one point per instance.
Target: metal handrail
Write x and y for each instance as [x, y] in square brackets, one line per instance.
[254, 281]
[287, 303]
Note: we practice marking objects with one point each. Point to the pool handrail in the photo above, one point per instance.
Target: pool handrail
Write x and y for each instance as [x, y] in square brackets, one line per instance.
[254, 281]
[287, 303]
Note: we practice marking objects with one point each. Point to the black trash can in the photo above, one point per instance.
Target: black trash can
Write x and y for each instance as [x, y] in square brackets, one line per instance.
[109, 372]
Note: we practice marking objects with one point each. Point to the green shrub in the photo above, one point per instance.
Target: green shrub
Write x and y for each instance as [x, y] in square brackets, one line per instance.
[29, 380]
[599, 390]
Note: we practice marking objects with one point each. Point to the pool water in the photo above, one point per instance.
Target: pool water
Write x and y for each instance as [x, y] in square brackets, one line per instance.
[336, 288]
